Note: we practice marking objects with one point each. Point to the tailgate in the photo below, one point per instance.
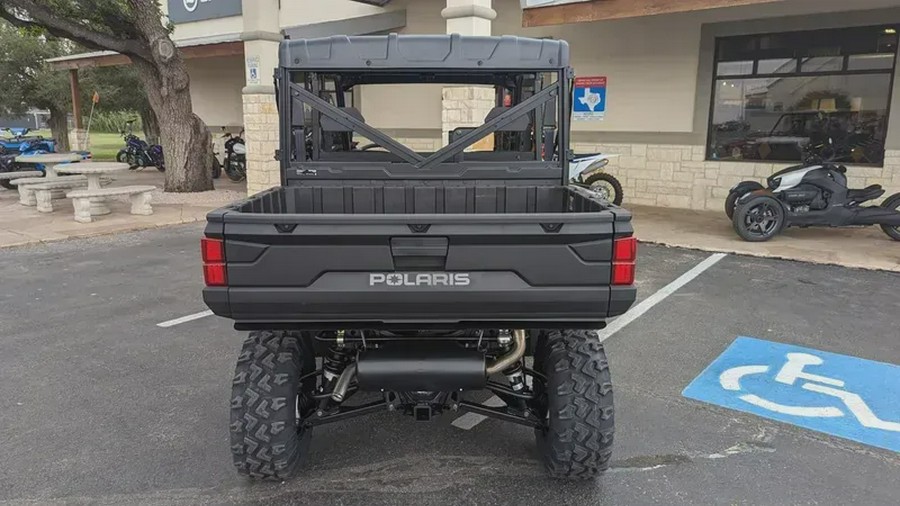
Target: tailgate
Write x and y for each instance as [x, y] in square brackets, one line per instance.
[369, 270]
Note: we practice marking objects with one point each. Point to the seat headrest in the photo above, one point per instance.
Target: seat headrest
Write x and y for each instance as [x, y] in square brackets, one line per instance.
[521, 124]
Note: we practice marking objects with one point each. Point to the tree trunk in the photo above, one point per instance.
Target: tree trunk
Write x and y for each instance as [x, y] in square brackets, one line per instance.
[151, 125]
[185, 137]
[59, 129]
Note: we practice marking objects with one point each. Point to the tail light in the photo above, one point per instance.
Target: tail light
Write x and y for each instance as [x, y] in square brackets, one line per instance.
[624, 257]
[213, 253]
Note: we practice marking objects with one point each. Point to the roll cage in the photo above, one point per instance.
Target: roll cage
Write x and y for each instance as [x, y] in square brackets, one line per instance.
[530, 119]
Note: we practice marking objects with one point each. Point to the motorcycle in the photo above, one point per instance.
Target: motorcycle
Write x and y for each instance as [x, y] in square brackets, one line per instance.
[235, 165]
[19, 145]
[587, 172]
[137, 153]
[812, 194]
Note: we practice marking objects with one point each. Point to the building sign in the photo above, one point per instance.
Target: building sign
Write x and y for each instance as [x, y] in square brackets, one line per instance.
[185, 11]
[589, 101]
[253, 70]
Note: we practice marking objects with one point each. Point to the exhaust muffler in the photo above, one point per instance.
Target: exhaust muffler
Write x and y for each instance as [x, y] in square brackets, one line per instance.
[431, 367]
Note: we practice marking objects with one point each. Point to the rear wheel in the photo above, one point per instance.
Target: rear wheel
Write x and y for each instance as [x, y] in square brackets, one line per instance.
[267, 440]
[758, 219]
[892, 202]
[608, 186]
[576, 404]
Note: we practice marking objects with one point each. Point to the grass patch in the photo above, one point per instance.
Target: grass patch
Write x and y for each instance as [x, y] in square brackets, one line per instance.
[104, 146]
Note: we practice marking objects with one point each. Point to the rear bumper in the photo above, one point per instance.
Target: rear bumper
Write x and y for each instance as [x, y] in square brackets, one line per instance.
[534, 307]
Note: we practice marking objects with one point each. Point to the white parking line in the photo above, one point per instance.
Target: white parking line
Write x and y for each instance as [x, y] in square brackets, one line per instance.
[185, 319]
[469, 420]
[642, 307]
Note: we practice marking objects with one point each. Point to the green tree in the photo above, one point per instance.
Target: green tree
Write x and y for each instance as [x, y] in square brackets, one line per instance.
[120, 89]
[134, 28]
[29, 82]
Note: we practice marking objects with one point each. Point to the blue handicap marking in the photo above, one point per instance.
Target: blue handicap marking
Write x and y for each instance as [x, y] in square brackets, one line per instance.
[844, 396]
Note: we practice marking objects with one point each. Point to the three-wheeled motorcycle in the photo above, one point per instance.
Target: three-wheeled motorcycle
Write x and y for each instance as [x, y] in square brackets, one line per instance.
[812, 194]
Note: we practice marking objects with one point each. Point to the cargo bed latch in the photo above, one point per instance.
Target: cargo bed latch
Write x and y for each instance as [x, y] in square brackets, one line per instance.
[285, 228]
[551, 227]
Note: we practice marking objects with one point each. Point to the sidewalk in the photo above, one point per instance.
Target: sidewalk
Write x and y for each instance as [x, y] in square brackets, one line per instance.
[865, 248]
[20, 225]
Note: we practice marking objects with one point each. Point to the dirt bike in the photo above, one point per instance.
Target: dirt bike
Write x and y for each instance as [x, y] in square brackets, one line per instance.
[587, 172]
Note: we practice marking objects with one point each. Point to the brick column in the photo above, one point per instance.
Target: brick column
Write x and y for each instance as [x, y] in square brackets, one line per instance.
[78, 139]
[261, 134]
[466, 106]
[261, 39]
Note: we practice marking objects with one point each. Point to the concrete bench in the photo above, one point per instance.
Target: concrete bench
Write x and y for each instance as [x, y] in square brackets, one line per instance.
[43, 192]
[26, 193]
[140, 200]
[19, 174]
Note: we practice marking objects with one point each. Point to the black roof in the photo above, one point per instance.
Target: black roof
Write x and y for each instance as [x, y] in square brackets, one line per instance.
[393, 51]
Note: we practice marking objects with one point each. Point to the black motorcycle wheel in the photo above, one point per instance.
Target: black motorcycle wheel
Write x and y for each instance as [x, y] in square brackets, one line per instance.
[758, 219]
[892, 202]
[238, 172]
[732, 197]
[216, 168]
[608, 186]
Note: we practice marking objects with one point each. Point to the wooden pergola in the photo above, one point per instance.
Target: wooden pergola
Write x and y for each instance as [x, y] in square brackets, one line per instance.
[110, 59]
[569, 11]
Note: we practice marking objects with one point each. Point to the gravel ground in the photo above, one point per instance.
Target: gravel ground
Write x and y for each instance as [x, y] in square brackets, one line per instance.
[225, 192]
[221, 195]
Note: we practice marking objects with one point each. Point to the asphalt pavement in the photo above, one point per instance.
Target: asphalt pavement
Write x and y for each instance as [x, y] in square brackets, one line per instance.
[99, 405]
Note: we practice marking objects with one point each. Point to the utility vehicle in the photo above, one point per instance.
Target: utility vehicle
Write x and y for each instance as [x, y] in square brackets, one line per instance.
[384, 279]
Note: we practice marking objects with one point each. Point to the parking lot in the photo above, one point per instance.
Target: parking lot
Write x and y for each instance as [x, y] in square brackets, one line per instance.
[100, 405]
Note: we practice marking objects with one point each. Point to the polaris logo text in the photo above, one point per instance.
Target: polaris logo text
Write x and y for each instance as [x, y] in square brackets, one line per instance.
[420, 279]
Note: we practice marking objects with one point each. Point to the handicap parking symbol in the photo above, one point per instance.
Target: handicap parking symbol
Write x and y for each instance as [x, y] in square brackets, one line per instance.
[844, 396]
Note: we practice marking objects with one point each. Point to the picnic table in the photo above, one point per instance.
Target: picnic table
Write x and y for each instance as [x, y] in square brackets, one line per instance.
[93, 171]
[50, 162]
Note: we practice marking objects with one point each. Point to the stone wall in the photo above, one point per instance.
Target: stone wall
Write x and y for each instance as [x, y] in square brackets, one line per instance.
[261, 134]
[465, 106]
[679, 176]
[420, 144]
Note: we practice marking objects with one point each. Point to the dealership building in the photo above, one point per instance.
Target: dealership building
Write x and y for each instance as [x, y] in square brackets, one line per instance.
[699, 94]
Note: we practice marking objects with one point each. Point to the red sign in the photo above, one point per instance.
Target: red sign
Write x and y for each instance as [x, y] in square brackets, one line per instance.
[590, 82]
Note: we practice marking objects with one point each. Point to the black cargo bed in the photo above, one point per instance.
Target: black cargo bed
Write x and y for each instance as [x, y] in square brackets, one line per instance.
[421, 199]
[391, 254]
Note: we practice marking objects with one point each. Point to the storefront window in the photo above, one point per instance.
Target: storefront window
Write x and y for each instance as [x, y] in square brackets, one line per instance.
[781, 97]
